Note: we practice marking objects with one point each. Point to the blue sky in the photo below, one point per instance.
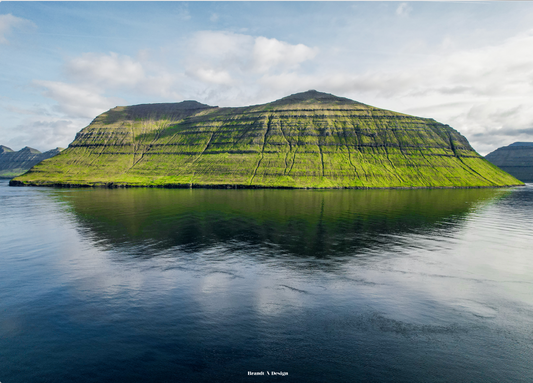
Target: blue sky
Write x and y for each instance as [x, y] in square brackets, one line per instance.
[466, 64]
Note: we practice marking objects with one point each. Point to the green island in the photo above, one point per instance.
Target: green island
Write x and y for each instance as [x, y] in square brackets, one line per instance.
[306, 140]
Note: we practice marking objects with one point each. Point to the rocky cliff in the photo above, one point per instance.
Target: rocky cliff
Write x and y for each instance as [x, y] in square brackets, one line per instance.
[13, 163]
[306, 140]
[516, 159]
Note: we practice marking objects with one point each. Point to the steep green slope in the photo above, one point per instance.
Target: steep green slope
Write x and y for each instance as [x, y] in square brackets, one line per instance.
[310, 139]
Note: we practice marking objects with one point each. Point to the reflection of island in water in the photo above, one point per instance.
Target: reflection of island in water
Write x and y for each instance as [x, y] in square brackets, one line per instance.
[300, 222]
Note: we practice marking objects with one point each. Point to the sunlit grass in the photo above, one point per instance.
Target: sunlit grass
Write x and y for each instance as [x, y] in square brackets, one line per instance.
[311, 144]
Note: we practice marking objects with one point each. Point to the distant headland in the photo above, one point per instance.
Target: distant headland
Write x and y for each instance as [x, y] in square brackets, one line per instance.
[516, 159]
[14, 164]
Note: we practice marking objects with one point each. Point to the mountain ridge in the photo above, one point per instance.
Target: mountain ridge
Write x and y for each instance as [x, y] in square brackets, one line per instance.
[13, 163]
[305, 140]
[516, 159]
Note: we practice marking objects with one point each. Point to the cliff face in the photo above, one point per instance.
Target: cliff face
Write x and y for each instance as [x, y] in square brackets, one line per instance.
[516, 159]
[13, 163]
[310, 139]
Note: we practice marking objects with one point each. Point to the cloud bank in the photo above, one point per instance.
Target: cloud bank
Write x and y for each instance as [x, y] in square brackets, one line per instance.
[218, 67]
[485, 91]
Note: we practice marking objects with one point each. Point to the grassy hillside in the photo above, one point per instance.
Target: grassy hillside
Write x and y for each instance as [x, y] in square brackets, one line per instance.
[305, 140]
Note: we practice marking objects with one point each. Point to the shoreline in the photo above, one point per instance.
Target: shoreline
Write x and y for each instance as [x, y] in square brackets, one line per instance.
[111, 185]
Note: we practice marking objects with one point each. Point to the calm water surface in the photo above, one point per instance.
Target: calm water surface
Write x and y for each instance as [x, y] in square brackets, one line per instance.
[205, 285]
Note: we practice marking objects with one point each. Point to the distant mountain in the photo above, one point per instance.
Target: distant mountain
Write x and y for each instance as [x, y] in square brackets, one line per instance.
[516, 159]
[13, 163]
[305, 140]
[5, 149]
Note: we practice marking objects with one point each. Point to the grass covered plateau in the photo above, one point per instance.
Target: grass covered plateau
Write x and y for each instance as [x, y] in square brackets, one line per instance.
[306, 140]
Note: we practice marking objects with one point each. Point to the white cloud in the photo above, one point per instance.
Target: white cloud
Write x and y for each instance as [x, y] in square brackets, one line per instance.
[91, 77]
[160, 84]
[110, 70]
[225, 52]
[45, 132]
[269, 53]
[35, 111]
[77, 101]
[114, 72]
[220, 49]
[9, 22]
[212, 76]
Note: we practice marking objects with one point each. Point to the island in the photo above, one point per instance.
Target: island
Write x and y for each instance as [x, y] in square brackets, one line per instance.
[305, 140]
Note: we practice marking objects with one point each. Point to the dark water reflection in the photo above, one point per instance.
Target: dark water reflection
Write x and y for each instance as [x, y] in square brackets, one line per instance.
[318, 224]
[147, 285]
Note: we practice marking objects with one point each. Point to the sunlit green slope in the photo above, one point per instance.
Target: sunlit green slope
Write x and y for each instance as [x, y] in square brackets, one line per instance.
[309, 139]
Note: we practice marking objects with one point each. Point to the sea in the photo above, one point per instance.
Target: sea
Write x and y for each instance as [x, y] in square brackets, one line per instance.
[225, 285]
